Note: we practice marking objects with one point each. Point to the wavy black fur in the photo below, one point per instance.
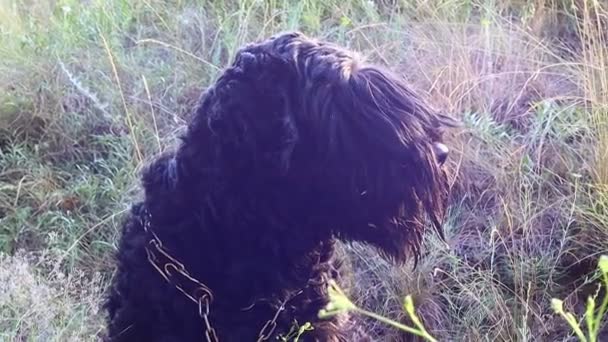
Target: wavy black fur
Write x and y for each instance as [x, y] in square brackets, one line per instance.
[299, 142]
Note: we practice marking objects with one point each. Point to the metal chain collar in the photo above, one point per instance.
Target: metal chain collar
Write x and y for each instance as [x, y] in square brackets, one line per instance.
[171, 269]
[271, 325]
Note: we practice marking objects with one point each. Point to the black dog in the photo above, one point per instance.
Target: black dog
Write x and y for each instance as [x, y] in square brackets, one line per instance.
[297, 143]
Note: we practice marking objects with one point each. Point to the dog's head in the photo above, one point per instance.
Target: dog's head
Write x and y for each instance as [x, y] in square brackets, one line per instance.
[336, 144]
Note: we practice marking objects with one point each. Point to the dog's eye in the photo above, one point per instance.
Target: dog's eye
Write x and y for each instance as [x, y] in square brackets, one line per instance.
[441, 152]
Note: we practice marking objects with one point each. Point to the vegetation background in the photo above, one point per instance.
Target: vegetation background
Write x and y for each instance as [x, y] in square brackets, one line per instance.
[92, 89]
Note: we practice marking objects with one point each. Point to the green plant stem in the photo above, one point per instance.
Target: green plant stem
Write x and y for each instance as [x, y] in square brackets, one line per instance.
[602, 311]
[397, 325]
[590, 319]
[575, 326]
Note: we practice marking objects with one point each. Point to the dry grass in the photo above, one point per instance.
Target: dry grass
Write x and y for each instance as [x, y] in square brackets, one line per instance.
[53, 306]
[91, 91]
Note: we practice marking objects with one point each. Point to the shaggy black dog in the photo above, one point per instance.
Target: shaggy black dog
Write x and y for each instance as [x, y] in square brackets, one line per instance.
[296, 144]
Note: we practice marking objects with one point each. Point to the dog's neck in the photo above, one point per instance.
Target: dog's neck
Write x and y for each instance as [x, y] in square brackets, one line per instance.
[249, 243]
[245, 256]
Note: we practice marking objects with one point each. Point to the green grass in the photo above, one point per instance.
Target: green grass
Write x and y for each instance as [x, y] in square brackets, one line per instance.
[91, 90]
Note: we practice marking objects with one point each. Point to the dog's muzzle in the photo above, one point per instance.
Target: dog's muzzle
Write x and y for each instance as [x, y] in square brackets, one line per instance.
[441, 152]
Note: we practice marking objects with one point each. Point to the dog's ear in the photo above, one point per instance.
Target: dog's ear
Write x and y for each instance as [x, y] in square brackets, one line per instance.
[371, 111]
[249, 112]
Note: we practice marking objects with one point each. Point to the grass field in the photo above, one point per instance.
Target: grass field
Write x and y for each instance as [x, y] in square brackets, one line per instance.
[92, 89]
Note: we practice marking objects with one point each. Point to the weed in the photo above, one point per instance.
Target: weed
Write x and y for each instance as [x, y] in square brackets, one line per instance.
[340, 303]
[593, 319]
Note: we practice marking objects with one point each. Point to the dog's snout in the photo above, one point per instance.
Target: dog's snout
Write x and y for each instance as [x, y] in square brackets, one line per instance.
[441, 152]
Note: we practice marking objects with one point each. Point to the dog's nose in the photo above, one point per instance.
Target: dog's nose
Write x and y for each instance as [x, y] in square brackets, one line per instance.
[441, 152]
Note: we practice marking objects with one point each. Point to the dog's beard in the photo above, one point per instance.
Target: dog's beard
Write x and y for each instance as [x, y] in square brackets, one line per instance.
[394, 210]
[397, 238]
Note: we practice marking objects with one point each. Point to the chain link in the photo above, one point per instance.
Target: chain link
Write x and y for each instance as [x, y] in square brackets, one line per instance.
[203, 312]
[201, 294]
[171, 268]
[271, 325]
